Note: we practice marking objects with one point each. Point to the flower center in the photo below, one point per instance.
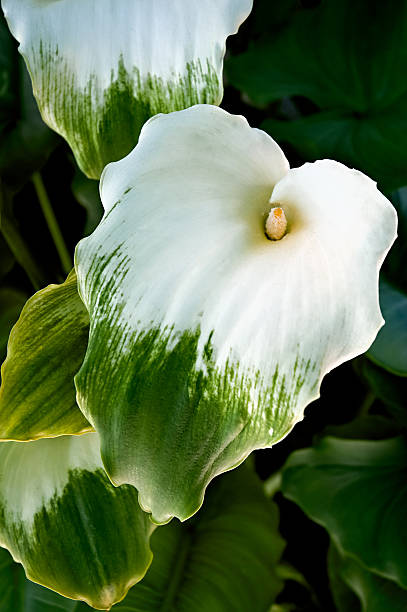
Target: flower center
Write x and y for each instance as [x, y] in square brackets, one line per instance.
[276, 224]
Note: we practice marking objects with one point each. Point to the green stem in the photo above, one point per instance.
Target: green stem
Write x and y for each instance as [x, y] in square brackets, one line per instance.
[366, 404]
[52, 222]
[15, 241]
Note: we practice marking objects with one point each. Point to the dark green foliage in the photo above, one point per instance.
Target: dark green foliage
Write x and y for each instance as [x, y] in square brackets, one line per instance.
[25, 141]
[349, 59]
[356, 490]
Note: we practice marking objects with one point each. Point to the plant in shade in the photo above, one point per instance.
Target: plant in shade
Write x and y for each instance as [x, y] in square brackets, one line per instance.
[210, 286]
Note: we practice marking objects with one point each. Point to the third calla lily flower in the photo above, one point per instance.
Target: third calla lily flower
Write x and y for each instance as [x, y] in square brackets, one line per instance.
[221, 286]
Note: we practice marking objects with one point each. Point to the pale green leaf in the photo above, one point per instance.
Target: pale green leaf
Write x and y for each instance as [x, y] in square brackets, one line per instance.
[207, 339]
[101, 68]
[65, 522]
[45, 350]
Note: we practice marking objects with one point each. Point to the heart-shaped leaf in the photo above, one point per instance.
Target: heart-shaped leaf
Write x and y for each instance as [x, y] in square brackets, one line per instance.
[351, 67]
[224, 559]
[207, 339]
[368, 143]
[101, 68]
[360, 73]
[357, 490]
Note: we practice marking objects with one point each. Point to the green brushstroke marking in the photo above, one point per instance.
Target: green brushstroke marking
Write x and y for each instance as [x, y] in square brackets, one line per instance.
[91, 540]
[104, 126]
[169, 418]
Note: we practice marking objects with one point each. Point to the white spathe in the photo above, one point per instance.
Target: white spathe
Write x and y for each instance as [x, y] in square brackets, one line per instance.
[182, 247]
[191, 227]
[156, 36]
[158, 56]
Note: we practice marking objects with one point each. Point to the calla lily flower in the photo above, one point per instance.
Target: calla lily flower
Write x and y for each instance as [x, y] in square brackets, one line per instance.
[65, 522]
[209, 332]
[101, 68]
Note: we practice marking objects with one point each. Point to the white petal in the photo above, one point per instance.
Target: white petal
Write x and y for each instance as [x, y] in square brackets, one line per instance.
[101, 68]
[182, 253]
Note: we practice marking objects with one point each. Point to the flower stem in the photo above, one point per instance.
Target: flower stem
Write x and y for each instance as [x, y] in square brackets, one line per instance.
[52, 222]
[367, 403]
[12, 235]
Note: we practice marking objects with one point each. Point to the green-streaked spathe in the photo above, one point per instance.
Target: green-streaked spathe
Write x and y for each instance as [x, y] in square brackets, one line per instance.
[46, 348]
[207, 340]
[101, 68]
[225, 558]
[65, 522]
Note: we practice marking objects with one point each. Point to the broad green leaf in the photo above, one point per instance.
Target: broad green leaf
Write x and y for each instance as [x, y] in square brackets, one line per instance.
[357, 490]
[368, 143]
[209, 338]
[224, 559]
[389, 350]
[11, 303]
[357, 81]
[45, 350]
[343, 596]
[26, 141]
[101, 68]
[65, 522]
[360, 73]
[362, 591]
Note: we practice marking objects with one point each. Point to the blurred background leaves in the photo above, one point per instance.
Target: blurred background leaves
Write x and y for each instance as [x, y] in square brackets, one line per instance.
[348, 60]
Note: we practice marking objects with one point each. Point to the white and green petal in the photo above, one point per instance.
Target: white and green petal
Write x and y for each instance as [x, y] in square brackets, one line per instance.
[72, 530]
[101, 68]
[207, 339]
[45, 350]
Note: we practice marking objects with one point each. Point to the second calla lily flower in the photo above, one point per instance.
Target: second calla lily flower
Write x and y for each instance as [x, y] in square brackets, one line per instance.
[101, 68]
[221, 286]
